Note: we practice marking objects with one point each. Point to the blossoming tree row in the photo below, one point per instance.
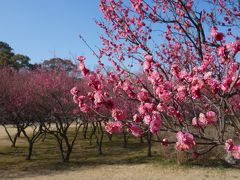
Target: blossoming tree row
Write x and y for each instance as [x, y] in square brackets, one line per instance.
[177, 61]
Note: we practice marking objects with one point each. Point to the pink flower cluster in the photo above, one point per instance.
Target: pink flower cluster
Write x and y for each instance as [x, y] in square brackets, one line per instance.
[148, 63]
[136, 130]
[143, 95]
[218, 36]
[113, 127]
[185, 141]
[154, 121]
[233, 149]
[79, 100]
[82, 66]
[205, 119]
[197, 85]
[145, 108]
[181, 93]
[118, 114]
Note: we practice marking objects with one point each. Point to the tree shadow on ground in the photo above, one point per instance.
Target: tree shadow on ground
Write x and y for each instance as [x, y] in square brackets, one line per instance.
[46, 158]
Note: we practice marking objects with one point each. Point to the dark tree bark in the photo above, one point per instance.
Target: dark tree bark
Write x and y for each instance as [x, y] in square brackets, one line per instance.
[101, 139]
[149, 140]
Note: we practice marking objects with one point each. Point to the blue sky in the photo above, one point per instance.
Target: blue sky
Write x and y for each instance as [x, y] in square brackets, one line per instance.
[43, 29]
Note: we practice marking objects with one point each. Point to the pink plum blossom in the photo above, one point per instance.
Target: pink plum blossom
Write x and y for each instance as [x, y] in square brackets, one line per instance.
[98, 97]
[81, 58]
[148, 58]
[156, 122]
[147, 119]
[118, 114]
[113, 127]
[143, 95]
[185, 141]
[233, 149]
[147, 66]
[204, 119]
[218, 36]
[74, 91]
[84, 108]
[161, 107]
[75, 99]
[211, 117]
[136, 130]
[137, 118]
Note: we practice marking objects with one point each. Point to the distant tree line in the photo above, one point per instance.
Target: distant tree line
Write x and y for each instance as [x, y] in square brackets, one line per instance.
[17, 61]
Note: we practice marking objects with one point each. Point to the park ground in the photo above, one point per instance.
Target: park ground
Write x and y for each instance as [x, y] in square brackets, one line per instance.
[116, 163]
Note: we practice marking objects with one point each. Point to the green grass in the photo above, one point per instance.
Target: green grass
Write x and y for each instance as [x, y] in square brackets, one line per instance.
[46, 156]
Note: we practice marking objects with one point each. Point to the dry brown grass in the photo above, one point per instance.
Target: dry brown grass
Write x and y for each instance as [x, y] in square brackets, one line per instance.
[116, 163]
[141, 172]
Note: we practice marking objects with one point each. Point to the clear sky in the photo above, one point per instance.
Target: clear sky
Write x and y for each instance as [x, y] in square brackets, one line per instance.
[43, 29]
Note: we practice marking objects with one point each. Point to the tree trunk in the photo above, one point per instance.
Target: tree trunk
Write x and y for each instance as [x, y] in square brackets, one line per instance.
[149, 140]
[101, 140]
[15, 138]
[110, 137]
[14, 141]
[30, 148]
[68, 154]
[18, 132]
[125, 140]
[93, 133]
[85, 129]
[44, 137]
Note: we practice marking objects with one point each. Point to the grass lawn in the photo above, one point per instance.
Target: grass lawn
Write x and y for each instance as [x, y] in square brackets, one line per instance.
[46, 157]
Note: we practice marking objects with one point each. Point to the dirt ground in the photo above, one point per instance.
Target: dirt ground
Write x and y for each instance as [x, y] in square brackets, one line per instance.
[141, 172]
[129, 171]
